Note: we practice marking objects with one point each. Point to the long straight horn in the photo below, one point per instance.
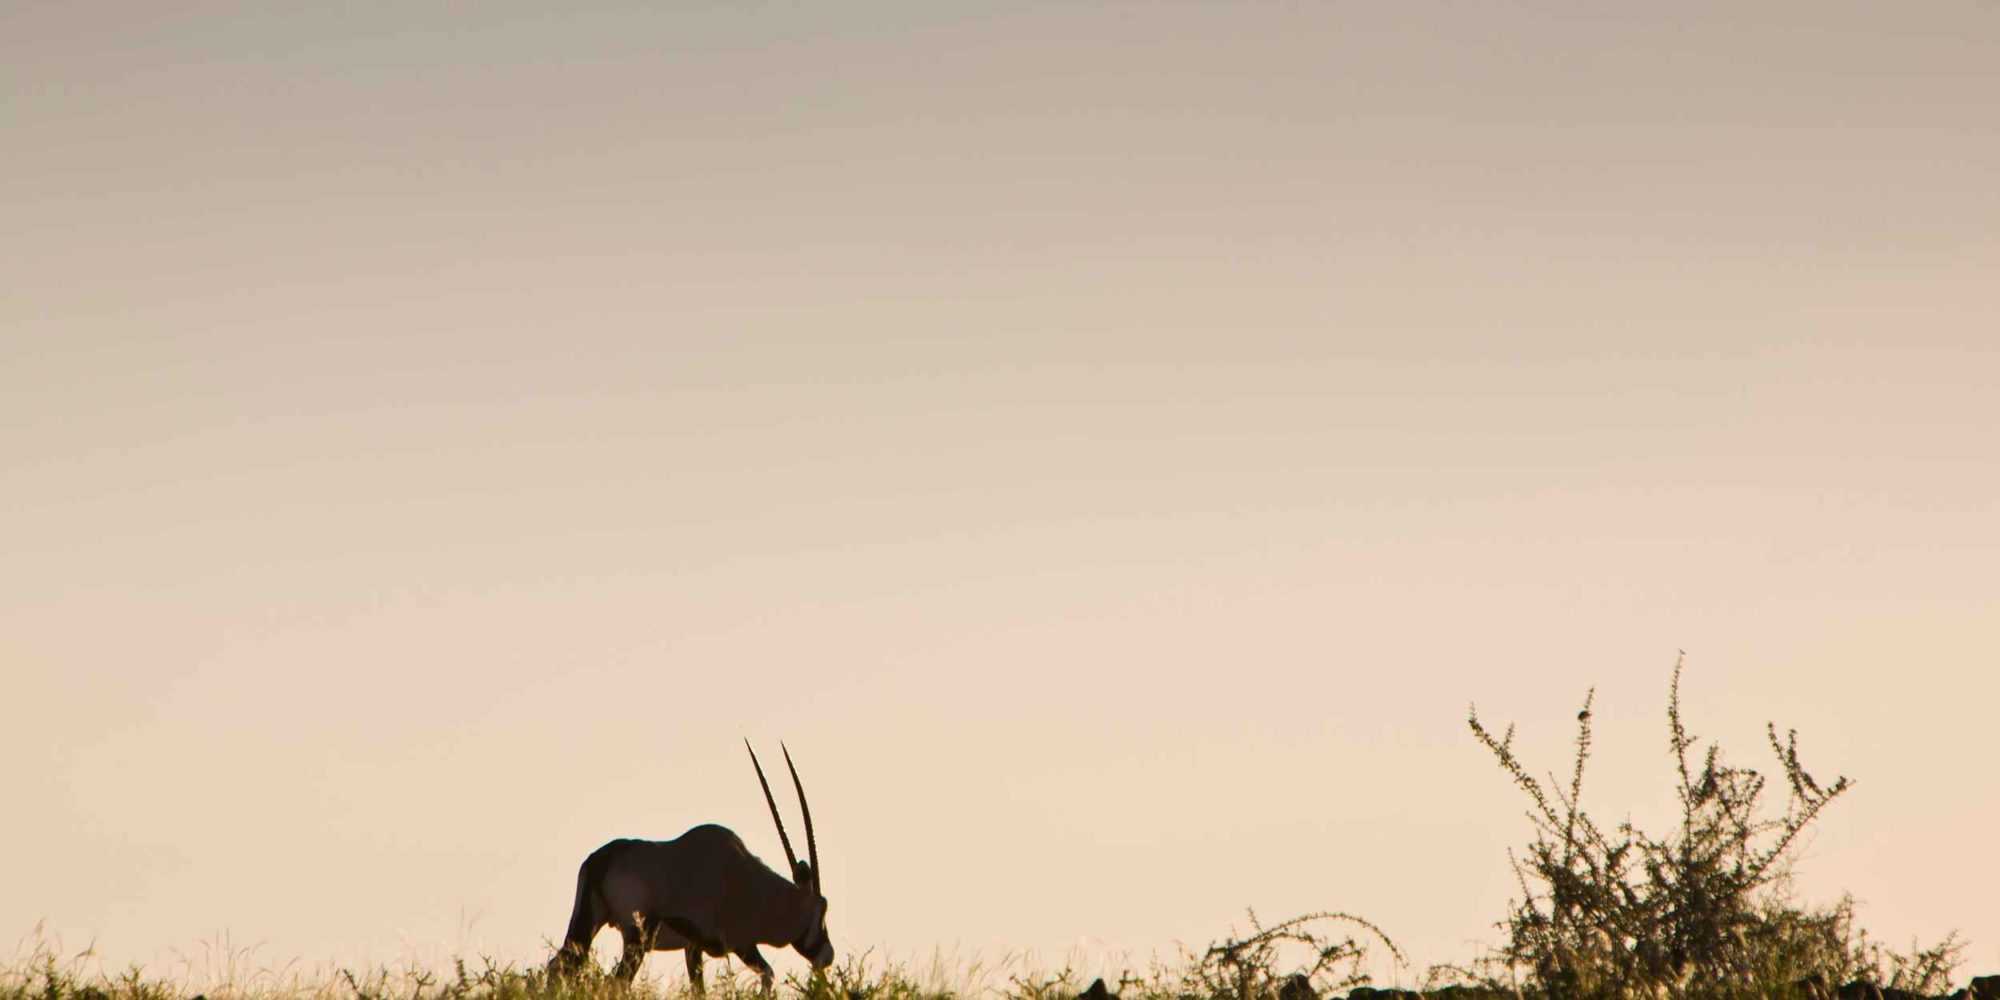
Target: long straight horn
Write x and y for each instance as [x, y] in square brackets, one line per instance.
[790, 858]
[812, 846]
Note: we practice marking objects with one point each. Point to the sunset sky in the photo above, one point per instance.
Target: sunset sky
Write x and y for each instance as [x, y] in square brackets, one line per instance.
[1112, 445]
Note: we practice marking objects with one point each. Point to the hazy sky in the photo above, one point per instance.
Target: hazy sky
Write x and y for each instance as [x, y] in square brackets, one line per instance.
[1111, 444]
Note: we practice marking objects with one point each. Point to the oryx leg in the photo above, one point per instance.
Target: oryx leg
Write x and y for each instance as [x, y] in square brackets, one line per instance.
[638, 941]
[694, 967]
[752, 958]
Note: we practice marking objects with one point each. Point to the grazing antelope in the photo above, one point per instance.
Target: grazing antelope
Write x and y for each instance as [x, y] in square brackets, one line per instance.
[704, 892]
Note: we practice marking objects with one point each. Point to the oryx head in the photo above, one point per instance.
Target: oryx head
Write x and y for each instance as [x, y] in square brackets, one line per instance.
[812, 941]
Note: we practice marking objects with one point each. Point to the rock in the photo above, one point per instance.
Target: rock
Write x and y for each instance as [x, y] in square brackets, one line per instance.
[1297, 986]
[1460, 992]
[1097, 991]
[1867, 991]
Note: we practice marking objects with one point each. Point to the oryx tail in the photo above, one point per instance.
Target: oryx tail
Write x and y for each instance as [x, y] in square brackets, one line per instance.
[587, 915]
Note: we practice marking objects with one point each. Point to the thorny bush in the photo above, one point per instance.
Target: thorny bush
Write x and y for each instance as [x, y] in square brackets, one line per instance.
[1700, 912]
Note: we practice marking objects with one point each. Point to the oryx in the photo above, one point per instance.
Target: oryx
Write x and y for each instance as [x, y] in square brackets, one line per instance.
[702, 891]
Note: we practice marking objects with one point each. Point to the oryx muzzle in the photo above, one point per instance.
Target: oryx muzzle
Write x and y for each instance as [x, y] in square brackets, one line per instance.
[704, 892]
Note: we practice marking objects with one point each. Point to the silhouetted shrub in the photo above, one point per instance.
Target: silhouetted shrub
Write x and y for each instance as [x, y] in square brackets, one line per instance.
[1696, 913]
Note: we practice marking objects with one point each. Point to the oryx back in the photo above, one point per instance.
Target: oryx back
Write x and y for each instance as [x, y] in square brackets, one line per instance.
[592, 910]
[703, 886]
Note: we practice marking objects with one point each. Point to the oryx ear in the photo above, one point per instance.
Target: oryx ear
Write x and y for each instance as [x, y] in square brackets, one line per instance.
[802, 873]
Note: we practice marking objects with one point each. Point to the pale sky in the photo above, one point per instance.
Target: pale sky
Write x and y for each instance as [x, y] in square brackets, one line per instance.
[1111, 444]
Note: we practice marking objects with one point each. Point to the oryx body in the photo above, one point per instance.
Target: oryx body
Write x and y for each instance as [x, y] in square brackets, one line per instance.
[703, 892]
